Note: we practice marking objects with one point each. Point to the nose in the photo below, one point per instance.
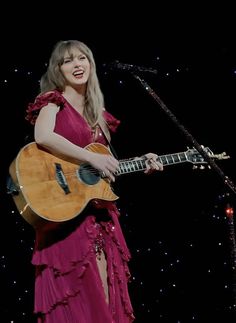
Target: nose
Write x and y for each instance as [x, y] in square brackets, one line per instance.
[77, 61]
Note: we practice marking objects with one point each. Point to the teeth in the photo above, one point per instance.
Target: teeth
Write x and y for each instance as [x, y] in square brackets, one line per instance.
[78, 73]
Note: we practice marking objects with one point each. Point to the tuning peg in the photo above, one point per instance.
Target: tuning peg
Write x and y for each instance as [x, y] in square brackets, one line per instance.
[198, 167]
[222, 156]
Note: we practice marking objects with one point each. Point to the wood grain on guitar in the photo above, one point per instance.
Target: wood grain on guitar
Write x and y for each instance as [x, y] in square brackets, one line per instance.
[53, 189]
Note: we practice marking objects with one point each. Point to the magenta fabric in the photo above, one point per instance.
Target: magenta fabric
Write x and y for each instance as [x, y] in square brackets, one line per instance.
[68, 287]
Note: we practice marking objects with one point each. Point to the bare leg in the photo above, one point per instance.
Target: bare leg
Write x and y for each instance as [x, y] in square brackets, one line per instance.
[102, 267]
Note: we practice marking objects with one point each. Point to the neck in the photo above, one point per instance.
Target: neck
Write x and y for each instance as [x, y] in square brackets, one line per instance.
[76, 97]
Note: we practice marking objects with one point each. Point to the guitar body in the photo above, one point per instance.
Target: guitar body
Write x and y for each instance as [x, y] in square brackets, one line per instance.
[54, 189]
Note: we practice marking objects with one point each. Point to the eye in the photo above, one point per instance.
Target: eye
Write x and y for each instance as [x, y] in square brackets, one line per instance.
[67, 60]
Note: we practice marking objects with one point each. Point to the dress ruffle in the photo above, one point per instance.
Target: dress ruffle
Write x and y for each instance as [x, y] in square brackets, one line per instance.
[55, 96]
[60, 275]
[41, 101]
[112, 122]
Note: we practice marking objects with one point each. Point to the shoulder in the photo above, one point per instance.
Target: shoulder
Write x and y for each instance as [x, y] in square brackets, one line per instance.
[50, 98]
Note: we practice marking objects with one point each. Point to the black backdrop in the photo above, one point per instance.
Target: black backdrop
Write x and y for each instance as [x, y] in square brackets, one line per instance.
[174, 221]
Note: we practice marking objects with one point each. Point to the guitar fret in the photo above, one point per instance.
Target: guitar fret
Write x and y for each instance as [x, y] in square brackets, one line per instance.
[131, 166]
[163, 159]
[176, 158]
[128, 167]
[173, 158]
[142, 164]
[182, 157]
[122, 169]
[136, 165]
[170, 159]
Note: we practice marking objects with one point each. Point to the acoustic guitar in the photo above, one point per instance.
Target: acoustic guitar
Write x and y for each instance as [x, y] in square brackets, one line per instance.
[51, 188]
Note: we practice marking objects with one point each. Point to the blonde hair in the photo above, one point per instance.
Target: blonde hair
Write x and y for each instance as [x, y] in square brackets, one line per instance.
[53, 79]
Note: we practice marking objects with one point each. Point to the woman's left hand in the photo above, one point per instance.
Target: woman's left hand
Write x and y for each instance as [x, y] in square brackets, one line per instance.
[152, 163]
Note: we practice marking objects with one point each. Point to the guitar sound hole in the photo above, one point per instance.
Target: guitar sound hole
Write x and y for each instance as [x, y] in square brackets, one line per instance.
[88, 174]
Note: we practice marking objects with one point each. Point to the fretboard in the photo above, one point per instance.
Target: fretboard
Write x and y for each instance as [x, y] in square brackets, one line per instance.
[139, 164]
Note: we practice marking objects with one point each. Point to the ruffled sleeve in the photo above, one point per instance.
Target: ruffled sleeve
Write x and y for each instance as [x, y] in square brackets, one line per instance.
[112, 122]
[41, 101]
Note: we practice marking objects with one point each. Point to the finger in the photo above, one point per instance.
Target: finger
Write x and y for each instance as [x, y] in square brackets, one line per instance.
[110, 175]
[113, 165]
[157, 165]
[148, 167]
[154, 165]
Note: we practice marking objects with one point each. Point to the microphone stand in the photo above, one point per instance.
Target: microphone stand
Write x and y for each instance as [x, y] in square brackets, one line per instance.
[228, 182]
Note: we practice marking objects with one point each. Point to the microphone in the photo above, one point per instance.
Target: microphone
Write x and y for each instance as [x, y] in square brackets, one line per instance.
[116, 65]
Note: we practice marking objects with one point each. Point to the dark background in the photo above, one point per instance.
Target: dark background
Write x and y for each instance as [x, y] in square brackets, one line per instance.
[175, 222]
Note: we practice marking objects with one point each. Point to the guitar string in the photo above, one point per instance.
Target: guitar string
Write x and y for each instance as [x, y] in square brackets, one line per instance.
[134, 163]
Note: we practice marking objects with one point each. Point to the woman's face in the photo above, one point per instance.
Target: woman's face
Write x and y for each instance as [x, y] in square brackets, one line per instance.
[75, 68]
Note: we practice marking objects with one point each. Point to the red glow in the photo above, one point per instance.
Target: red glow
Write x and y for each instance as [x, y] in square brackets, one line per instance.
[229, 211]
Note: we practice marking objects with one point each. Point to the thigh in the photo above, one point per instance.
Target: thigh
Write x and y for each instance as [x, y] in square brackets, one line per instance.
[102, 268]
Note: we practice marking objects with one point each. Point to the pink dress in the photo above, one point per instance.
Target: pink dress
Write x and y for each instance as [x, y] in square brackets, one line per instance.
[68, 287]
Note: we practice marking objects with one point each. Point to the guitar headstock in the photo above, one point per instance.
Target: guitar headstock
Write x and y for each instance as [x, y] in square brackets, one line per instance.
[194, 157]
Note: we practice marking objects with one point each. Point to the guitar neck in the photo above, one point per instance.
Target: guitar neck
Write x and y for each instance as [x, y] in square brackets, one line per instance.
[139, 164]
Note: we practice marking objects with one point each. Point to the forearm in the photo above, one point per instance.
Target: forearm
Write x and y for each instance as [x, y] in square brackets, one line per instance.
[59, 145]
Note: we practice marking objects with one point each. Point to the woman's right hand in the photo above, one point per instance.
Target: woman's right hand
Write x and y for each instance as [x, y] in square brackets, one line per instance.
[105, 163]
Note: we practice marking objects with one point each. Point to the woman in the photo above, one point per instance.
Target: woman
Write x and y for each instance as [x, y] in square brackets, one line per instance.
[81, 267]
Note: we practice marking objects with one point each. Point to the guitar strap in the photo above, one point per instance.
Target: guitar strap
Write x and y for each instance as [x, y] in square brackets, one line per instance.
[108, 141]
[113, 151]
